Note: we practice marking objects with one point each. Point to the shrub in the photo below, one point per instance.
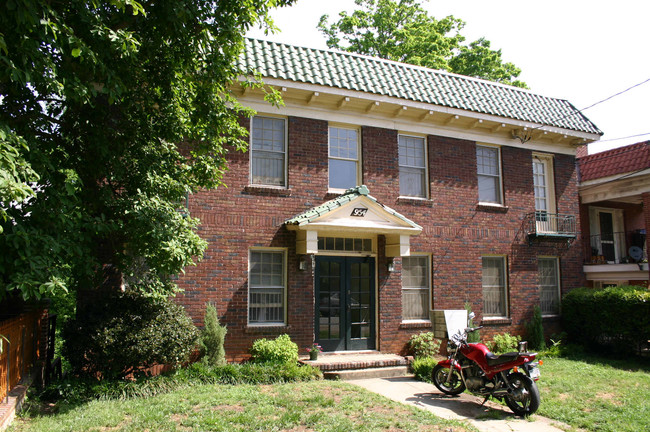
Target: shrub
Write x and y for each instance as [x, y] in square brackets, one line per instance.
[503, 343]
[611, 319]
[213, 336]
[121, 333]
[279, 350]
[422, 368]
[535, 331]
[474, 336]
[424, 345]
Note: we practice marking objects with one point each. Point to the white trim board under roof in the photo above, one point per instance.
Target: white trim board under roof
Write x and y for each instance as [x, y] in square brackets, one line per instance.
[397, 90]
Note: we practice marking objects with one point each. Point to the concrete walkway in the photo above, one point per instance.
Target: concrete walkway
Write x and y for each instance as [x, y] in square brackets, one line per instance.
[488, 418]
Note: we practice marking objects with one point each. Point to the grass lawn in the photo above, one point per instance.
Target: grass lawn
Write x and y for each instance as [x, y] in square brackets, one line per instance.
[307, 406]
[597, 394]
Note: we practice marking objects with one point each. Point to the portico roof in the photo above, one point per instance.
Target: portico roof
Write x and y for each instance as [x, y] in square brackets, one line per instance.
[352, 213]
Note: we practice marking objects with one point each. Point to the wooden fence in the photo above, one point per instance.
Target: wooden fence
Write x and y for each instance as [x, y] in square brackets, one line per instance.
[25, 348]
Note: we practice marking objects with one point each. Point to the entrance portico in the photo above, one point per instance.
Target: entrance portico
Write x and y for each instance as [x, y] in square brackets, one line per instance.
[342, 237]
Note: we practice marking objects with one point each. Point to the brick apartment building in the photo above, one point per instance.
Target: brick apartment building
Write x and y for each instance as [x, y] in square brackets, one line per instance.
[381, 191]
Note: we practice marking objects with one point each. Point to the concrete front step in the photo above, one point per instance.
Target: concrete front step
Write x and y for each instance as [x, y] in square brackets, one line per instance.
[378, 372]
[357, 365]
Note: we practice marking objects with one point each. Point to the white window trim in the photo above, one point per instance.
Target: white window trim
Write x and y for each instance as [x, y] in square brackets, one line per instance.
[501, 202]
[549, 173]
[358, 159]
[429, 282]
[558, 283]
[286, 152]
[506, 289]
[426, 166]
[284, 287]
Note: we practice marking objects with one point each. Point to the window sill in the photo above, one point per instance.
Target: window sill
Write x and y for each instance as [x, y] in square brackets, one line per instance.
[490, 207]
[278, 191]
[415, 324]
[496, 321]
[266, 329]
[417, 201]
[554, 317]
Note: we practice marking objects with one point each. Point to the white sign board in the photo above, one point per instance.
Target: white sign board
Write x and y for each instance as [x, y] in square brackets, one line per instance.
[456, 321]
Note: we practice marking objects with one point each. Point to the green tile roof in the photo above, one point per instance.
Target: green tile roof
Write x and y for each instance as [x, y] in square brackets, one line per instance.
[331, 205]
[415, 83]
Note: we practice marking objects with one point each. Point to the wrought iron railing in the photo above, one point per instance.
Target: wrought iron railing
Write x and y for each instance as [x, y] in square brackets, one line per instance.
[616, 248]
[542, 224]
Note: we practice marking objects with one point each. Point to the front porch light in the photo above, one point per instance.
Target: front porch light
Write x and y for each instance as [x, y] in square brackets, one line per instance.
[390, 265]
[302, 264]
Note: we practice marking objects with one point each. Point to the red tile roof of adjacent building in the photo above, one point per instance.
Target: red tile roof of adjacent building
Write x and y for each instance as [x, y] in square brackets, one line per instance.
[622, 160]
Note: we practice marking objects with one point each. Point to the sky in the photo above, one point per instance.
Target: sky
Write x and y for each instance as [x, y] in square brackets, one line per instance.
[584, 51]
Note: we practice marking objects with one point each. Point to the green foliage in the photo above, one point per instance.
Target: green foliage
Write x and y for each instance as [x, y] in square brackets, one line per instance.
[95, 98]
[79, 390]
[278, 350]
[611, 319]
[503, 343]
[557, 348]
[535, 331]
[424, 345]
[213, 337]
[121, 333]
[402, 30]
[474, 336]
[422, 368]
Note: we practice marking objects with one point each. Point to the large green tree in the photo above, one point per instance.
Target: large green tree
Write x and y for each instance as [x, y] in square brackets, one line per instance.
[95, 98]
[403, 31]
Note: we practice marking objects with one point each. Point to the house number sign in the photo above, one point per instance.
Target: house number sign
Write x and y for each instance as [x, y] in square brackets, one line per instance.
[359, 212]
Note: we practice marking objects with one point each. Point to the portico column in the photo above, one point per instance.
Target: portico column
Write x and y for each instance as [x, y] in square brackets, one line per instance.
[646, 215]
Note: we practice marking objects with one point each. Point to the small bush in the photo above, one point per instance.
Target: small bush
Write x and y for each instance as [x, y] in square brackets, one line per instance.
[615, 319]
[535, 331]
[503, 343]
[279, 350]
[213, 337]
[422, 368]
[121, 333]
[557, 347]
[424, 345]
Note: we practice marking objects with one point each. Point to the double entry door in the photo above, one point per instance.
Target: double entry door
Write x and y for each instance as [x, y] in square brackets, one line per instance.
[345, 303]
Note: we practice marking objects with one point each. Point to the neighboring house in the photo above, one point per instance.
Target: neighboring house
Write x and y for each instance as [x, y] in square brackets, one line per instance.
[381, 191]
[615, 213]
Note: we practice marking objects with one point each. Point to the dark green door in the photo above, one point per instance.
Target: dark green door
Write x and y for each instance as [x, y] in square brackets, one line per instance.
[345, 303]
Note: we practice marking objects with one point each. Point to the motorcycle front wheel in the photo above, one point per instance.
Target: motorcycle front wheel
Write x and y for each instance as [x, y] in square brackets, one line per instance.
[454, 386]
[525, 399]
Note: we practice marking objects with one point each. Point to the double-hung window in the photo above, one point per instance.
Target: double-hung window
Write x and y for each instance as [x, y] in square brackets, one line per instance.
[488, 166]
[415, 287]
[412, 167]
[266, 286]
[495, 296]
[268, 151]
[549, 285]
[343, 158]
[544, 188]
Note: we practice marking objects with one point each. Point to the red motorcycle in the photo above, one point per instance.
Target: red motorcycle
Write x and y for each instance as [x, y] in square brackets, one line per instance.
[472, 366]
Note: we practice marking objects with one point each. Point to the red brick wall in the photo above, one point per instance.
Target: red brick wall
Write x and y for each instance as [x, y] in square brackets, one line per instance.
[456, 232]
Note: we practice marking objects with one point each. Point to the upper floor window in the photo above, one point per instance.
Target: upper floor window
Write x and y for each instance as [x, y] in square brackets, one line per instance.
[343, 158]
[415, 287]
[495, 295]
[488, 164]
[268, 151]
[266, 286]
[549, 285]
[412, 167]
[544, 188]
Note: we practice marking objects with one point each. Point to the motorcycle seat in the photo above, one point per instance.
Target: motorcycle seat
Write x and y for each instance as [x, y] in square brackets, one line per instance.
[494, 360]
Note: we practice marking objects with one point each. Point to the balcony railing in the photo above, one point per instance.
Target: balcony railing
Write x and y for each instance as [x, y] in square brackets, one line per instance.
[614, 248]
[542, 224]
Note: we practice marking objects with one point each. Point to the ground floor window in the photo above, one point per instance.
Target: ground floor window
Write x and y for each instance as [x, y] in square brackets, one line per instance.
[549, 286]
[415, 287]
[266, 286]
[495, 296]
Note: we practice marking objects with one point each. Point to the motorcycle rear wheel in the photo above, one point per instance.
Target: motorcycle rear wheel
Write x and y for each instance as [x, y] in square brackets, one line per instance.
[453, 387]
[526, 402]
